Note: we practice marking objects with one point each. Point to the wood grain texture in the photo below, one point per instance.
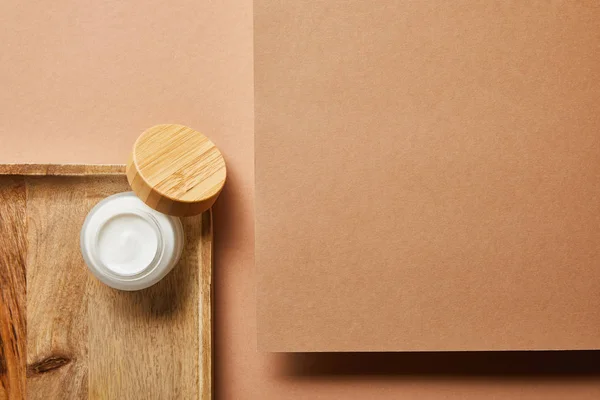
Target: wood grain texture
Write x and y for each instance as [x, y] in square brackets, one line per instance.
[62, 169]
[86, 340]
[176, 170]
[12, 285]
[56, 288]
[205, 261]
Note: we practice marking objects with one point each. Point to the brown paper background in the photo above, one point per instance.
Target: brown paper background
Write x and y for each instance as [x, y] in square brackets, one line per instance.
[34, 33]
[427, 175]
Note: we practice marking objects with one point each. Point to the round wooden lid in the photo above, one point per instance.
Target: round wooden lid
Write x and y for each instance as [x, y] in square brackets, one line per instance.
[176, 170]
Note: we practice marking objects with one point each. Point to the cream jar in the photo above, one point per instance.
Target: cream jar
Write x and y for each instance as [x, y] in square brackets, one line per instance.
[128, 245]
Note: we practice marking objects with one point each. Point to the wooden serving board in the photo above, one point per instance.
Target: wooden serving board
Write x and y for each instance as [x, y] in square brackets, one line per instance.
[64, 334]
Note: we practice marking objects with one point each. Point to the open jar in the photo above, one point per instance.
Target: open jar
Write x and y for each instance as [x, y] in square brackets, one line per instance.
[128, 245]
[132, 240]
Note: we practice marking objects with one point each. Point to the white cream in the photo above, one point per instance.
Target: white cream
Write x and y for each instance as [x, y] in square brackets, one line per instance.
[128, 245]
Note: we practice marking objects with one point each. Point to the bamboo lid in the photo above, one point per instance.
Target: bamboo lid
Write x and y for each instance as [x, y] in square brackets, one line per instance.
[176, 170]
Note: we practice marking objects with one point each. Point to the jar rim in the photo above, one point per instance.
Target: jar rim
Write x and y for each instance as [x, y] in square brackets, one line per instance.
[169, 236]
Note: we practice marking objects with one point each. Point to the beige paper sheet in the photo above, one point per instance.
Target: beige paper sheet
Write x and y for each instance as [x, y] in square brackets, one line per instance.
[427, 175]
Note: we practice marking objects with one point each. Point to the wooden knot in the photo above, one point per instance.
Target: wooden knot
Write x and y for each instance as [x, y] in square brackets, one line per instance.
[46, 365]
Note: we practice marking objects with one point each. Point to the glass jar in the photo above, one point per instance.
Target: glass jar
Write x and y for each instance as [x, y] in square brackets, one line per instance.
[128, 245]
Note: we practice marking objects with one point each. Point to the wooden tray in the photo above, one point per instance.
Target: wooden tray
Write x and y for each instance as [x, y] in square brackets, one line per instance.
[65, 335]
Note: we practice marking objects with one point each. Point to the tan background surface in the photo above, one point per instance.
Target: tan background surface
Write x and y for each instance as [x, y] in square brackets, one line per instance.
[79, 81]
[427, 175]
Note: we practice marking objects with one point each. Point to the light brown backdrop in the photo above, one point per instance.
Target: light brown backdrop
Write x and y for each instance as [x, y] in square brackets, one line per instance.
[427, 175]
[80, 80]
